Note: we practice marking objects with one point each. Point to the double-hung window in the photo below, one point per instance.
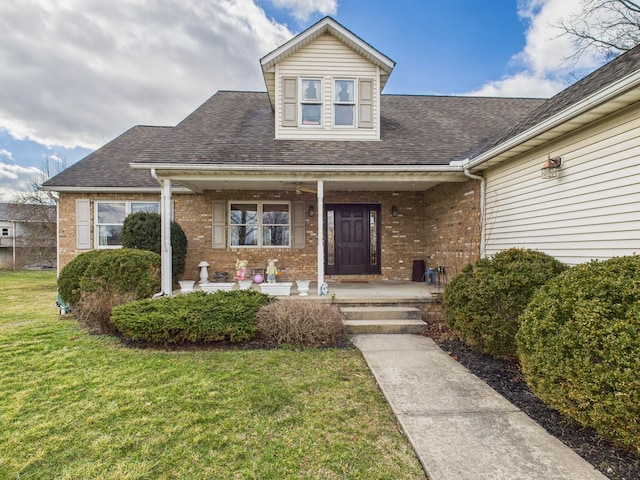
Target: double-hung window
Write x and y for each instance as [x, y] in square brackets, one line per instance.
[259, 224]
[344, 103]
[110, 219]
[311, 102]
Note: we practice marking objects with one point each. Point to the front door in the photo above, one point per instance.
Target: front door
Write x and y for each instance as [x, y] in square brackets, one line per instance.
[353, 246]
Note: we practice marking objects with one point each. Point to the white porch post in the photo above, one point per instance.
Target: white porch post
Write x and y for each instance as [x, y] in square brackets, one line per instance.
[320, 217]
[166, 253]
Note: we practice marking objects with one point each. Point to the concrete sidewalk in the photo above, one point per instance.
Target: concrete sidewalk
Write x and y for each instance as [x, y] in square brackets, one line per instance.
[459, 427]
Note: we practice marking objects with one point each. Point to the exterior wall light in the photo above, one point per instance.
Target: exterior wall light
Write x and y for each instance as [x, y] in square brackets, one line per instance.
[551, 167]
[312, 211]
[394, 211]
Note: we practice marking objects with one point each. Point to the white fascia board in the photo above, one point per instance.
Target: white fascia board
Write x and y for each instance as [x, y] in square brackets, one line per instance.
[326, 23]
[607, 93]
[114, 189]
[235, 168]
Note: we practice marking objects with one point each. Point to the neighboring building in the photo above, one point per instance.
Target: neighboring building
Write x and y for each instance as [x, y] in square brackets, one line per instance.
[338, 180]
[27, 236]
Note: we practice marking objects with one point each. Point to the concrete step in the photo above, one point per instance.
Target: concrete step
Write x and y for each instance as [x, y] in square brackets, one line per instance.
[393, 326]
[381, 313]
[383, 319]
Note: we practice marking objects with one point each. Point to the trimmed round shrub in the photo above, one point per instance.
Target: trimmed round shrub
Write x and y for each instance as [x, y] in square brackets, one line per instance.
[111, 278]
[70, 275]
[196, 317]
[143, 231]
[579, 346]
[123, 270]
[483, 303]
[300, 322]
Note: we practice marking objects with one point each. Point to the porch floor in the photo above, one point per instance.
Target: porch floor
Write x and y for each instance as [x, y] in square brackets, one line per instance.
[375, 291]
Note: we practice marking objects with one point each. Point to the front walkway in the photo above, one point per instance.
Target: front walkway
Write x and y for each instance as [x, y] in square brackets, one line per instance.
[459, 427]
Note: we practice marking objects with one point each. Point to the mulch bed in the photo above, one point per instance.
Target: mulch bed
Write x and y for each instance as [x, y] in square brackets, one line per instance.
[505, 377]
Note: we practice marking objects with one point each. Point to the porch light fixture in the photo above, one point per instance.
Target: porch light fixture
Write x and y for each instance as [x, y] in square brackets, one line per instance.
[551, 167]
[394, 211]
[312, 211]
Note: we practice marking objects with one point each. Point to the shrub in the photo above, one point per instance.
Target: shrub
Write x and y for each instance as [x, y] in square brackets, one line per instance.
[484, 302]
[579, 346]
[93, 309]
[195, 317]
[111, 278]
[143, 231]
[70, 275]
[300, 322]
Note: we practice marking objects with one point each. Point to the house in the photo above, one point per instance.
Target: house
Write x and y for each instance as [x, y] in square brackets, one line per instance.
[27, 236]
[340, 181]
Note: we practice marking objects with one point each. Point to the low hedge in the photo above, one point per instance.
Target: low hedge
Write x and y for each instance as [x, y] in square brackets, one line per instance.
[483, 303]
[579, 346]
[196, 317]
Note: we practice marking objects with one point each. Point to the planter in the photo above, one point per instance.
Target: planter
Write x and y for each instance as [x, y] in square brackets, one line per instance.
[245, 284]
[217, 287]
[220, 277]
[303, 287]
[276, 289]
[186, 286]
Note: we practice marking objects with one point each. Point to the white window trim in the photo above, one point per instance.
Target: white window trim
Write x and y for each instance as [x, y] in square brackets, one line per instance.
[319, 102]
[5, 231]
[96, 230]
[334, 102]
[260, 204]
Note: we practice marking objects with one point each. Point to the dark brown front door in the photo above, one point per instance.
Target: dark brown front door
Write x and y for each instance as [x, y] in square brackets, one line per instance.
[352, 239]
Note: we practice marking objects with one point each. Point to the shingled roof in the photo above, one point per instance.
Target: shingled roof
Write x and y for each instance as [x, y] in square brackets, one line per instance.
[238, 128]
[623, 65]
[109, 165]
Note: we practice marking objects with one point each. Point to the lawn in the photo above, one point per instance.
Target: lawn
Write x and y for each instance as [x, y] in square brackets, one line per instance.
[80, 406]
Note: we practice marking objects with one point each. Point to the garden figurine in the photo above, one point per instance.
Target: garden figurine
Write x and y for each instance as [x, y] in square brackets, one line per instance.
[272, 270]
[241, 269]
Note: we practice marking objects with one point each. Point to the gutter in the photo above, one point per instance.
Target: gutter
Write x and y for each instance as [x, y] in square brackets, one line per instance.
[464, 164]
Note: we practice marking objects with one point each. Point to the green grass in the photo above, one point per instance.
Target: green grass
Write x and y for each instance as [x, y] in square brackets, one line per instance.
[78, 406]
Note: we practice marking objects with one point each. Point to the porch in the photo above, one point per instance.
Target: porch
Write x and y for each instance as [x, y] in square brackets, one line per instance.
[379, 306]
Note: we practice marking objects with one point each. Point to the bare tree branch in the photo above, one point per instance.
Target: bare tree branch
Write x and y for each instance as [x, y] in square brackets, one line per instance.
[606, 27]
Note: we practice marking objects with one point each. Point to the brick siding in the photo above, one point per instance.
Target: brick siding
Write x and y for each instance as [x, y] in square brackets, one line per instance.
[437, 226]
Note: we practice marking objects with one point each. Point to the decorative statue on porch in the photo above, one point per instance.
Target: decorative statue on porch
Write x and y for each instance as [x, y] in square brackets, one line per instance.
[272, 270]
[241, 269]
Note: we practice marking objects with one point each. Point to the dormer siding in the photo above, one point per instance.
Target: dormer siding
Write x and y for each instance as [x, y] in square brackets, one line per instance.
[327, 60]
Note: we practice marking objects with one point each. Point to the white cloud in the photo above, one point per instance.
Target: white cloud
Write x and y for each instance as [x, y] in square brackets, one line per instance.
[303, 9]
[542, 64]
[15, 179]
[6, 153]
[81, 72]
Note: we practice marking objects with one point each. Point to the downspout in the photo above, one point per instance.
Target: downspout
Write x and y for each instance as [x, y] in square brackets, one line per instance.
[165, 235]
[320, 217]
[483, 222]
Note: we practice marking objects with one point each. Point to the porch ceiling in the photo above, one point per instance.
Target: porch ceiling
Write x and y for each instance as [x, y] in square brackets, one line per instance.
[410, 181]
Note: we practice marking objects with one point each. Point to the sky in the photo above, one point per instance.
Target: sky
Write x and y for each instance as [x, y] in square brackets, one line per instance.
[77, 73]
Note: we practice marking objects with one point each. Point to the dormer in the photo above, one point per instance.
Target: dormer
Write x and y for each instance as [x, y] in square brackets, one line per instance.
[325, 84]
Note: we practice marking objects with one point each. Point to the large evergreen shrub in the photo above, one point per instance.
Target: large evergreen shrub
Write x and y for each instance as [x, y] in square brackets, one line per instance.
[114, 277]
[70, 275]
[579, 346]
[196, 317]
[483, 303]
[143, 231]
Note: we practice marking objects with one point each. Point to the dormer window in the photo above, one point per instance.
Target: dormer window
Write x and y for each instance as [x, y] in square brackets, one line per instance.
[311, 101]
[344, 103]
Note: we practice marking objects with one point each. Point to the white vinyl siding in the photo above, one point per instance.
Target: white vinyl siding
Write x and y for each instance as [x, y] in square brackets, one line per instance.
[329, 60]
[591, 211]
